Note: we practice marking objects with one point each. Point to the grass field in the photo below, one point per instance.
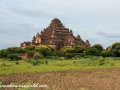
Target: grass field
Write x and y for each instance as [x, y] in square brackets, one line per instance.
[22, 66]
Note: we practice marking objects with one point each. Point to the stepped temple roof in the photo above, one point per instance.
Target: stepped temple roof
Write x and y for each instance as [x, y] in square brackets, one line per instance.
[56, 35]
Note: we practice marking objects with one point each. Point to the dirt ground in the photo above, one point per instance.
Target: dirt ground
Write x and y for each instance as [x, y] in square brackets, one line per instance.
[94, 79]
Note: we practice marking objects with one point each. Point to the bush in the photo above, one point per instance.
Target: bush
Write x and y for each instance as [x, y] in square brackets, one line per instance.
[93, 51]
[37, 55]
[35, 62]
[3, 53]
[104, 53]
[69, 55]
[115, 49]
[67, 49]
[17, 63]
[78, 49]
[98, 46]
[44, 50]
[13, 57]
[101, 61]
[46, 62]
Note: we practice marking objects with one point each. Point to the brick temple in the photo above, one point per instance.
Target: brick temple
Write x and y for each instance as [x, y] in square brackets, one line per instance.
[56, 35]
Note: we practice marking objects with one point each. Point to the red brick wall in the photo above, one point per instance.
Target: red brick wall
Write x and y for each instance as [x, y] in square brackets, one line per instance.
[25, 56]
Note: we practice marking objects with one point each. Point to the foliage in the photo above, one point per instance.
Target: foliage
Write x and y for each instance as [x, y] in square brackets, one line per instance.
[93, 61]
[69, 55]
[44, 50]
[78, 49]
[3, 53]
[98, 46]
[37, 55]
[13, 57]
[57, 53]
[35, 62]
[53, 58]
[101, 61]
[67, 49]
[30, 48]
[115, 49]
[93, 51]
[51, 48]
[46, 62]
[16, 62]
[15, 50]
[104, 53]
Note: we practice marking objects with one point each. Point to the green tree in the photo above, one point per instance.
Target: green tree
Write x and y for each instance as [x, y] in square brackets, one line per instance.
[3, 53]
[115, 49]
[44, 50]
[98, 46]
[30, 49]
[78, 49]
[69, 55]
[13, 57]
[93, 51]
[104, 53]
[67, 49]
[15, 50]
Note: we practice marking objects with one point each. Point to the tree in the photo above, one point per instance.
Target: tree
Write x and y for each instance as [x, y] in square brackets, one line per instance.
[104, 53]
[15, 50]
[93, 51]
[98, 46]
[13, 57]
[3, 53]
[115, 49]
[69, 55]
[30, 49]
[78, 49]
[44, 50]
[67, 49]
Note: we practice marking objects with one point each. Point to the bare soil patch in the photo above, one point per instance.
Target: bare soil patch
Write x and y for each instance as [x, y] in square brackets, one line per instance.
[93, 79]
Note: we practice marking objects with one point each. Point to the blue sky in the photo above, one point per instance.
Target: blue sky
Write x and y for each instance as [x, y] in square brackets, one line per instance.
[95, 20]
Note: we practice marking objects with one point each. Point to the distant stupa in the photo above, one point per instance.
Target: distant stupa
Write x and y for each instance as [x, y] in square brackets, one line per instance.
[56, 35]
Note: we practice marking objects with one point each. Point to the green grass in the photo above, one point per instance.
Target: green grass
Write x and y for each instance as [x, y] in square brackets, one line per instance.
[10, 67]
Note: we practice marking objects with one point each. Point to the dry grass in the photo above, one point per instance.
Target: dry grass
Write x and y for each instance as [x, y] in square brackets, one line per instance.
[93, 79]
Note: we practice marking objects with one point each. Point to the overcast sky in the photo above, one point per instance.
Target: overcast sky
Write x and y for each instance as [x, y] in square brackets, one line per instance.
[95, 20]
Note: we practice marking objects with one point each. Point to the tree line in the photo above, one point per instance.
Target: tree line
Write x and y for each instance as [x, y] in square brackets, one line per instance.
[66, 51]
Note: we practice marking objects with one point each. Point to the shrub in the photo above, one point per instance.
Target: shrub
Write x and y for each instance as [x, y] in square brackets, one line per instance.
[37, 55]
[78, 49]
[3, 53]
[67, 49]
[44, 50]
[51, 48]
[69, 55]
[35, 62]
[115, 49]
[13, 57]
[17, 63]
[98, 46]
[101, 61]
[104, 53]
[46, 62]
[93, 51]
